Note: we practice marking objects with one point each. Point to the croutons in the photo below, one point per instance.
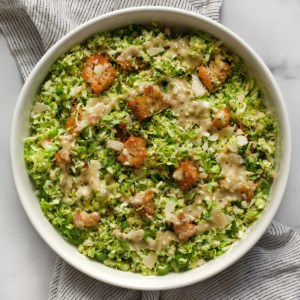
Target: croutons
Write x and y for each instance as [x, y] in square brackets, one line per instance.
[122, 133]
[151, 102]
[62, 159]
[134, 152]
[222, 118]
[99, 73]
[183, 228]
[76, 114]
[71, 124]
[205, 78]
[247, 190]
[235, 176]
[216, 73]
[143, 201]
[186, 175]
[131, 59]
[82, 219]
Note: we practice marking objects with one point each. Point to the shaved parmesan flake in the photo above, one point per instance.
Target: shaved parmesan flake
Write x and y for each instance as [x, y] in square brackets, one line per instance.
[169, 210]
[150, 260]
[242, 140]
[75, 91]
[197, 86]
[115, 145]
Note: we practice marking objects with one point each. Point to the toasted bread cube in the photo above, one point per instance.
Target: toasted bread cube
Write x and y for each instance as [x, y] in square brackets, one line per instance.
[82, 219]
[143, 201]
[216, 73]
[99, 73]
[63, 159]
[247, 190]
[186, 175]
[76, 113]
[71, 123]
[205, 78]
[222, 118]
[151, 102]
[122, 133]
[220, 70]
[134, 152]
[183, 228]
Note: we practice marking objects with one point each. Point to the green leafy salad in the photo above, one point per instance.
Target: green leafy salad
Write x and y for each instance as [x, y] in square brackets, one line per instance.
[151, 151]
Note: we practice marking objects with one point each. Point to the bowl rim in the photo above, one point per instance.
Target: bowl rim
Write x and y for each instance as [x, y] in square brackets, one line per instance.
[257, 231]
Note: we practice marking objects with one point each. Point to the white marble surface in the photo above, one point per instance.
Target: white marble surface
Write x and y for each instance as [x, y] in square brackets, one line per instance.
[271, 27]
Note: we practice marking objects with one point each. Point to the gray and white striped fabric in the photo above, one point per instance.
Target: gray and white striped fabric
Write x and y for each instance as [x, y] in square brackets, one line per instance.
[271, 270]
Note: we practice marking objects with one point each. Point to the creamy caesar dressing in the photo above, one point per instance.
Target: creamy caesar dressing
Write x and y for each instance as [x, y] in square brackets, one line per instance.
[162, 241]
[155, 46]
[219, 221]
[189, 111]
[180, 48]
[93, 112]
[129, 54]
[233, 171]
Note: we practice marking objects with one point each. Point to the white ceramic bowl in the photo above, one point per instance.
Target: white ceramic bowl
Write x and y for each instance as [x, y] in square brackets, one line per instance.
[173, 18]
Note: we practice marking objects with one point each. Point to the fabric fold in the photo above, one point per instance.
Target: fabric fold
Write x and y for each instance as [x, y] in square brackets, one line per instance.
[22, 36]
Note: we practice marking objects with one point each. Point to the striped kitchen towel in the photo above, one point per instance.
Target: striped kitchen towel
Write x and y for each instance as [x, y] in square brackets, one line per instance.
[271, 270]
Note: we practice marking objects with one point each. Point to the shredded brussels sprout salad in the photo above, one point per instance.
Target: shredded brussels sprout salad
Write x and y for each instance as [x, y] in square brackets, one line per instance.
[151, 151]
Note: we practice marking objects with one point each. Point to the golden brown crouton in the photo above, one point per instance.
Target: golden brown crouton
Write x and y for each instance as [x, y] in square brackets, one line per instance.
[143, 201]
[215, 73]
[63, 159]
[247, 190]
[186, 174]
[222, 118]
[76, 113]
[183, 228]
[71, 124]
[99, 73]
[82, 219]
[205, 78]
[151, 102]
[122, 133]
[131, 59]
[134, 152]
